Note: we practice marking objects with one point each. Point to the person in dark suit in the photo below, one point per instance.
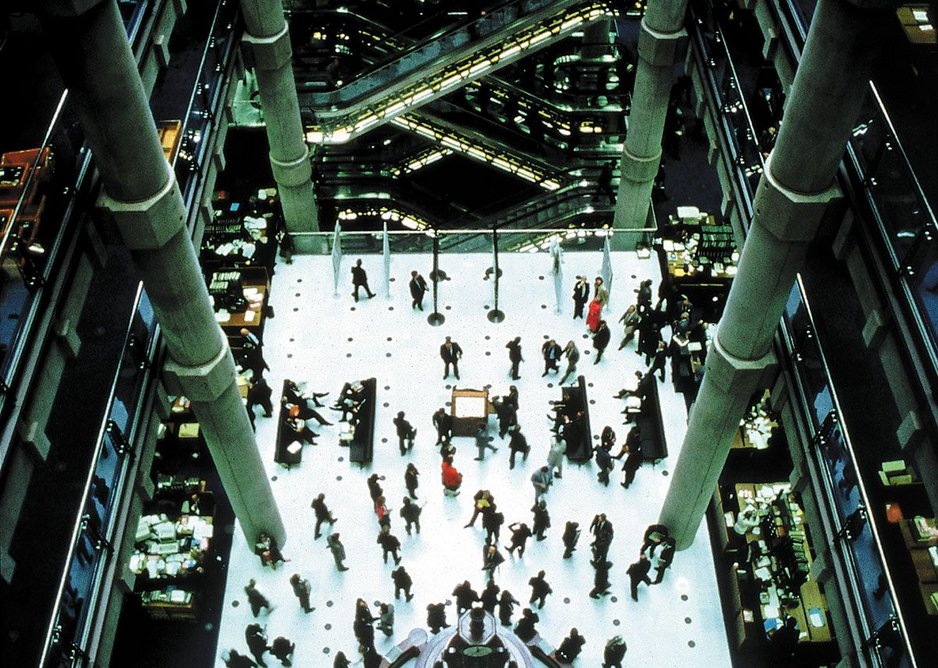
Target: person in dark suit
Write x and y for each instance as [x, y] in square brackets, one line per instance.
[506, 604]
[360, 280]
[402, 583]
[405, 433]
[259, 395]
[517, 443]
[514, 356]
[601, 340]
[571, 646]
[322, 512]
[450, 353]
[659, 359]
[638, 572]
[581, 293]
[418, 288]
[256, 640]
[539, 589]
[665, 558]
[552, 352]
[443, 422]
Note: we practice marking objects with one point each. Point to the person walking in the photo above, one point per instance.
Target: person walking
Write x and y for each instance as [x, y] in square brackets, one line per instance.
[322, 513]
[551, 352]
[515, 356]
[614, 652]
[436, 617]
[601, 582]
[539, 589]
[558, 448]
[256, 640]
[659, 359]
[360, 280]
[571, 534]
[638, 572]
[491, 560]
[483, 442]
[541, 519]
[334, 544]
[581, 293]
[600, 297]
[492, 521]
[602, 538]
[630, 321]
[405, 433]
[572, 354]
[517, 443]
[451, 478]
[256, 599]
[524, 629]
[465, 596]
[506, 605]
[283, 649]
[519, 538]
[386, 619]
[390, 544]
[402, 583]
[302, 590]
[489, 597]
[481, 501]
[410, 512]
[411, 480]
[443, 422]
[418, 288]
[571, 646]
[664, 559]
[260, 394]
[541, 480]
[600, 340]
[450, 353]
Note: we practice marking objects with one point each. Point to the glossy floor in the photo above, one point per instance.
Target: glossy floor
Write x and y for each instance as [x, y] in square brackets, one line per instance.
[326, 340]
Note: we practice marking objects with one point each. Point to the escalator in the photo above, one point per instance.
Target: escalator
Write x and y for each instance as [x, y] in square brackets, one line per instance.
[447, 62]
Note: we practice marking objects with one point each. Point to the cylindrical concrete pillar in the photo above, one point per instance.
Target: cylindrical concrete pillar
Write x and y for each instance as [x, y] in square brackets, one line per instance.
[792, 197]
[658, 44]
[268, 37]
[140, 190]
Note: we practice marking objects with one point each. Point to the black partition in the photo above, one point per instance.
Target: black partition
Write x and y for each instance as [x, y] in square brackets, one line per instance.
[580, 444]
[654, 445]
[282, 450]
[361, 447]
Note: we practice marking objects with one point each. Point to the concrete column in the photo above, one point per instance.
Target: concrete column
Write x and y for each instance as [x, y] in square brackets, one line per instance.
[91, 49]
[825, 100]
[661, 38]
[267, 36]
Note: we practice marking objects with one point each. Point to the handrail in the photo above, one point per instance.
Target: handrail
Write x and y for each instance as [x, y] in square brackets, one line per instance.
[860, 485]
[79, 519]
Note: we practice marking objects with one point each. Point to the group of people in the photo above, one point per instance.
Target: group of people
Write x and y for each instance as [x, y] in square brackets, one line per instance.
[657, 550]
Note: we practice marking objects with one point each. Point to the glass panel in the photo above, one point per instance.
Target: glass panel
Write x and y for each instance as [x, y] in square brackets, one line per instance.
[74, 606]
[921, 269]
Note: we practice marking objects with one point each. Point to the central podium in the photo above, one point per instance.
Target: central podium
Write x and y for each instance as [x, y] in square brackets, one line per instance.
[470, 411]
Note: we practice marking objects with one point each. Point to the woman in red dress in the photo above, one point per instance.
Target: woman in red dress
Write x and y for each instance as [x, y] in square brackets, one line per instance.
[600, 297]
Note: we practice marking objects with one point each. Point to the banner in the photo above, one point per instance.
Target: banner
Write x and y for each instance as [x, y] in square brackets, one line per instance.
[336, 258]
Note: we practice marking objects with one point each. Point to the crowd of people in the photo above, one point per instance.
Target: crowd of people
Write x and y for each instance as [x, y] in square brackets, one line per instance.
[643, 322]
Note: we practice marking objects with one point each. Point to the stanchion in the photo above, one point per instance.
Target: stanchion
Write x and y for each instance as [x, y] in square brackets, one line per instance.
[495, 315]
[436, 318]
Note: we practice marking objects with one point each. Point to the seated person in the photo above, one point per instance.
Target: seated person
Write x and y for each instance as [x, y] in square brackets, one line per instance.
[293, 395]
[350, 399]
[266, 548]
[296, 430]
[304, 411]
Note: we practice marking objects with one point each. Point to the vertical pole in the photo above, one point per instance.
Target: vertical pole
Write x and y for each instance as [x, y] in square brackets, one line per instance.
[267, 34]
[791, 200]
[495, 315]
[436, 318]
[140, 191]
[661, 38]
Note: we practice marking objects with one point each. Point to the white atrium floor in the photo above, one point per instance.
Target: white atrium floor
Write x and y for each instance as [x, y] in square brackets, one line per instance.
[325, 341]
